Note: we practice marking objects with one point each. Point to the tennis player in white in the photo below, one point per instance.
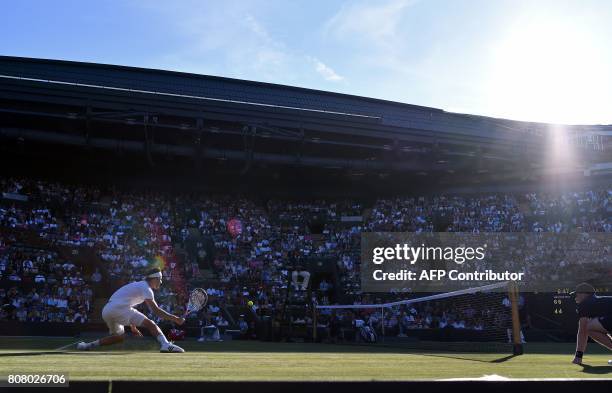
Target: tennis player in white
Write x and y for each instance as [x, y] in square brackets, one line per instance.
[120, 312]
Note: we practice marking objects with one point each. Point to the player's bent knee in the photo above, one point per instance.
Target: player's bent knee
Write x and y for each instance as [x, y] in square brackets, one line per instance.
[149, 324]
[595, 326]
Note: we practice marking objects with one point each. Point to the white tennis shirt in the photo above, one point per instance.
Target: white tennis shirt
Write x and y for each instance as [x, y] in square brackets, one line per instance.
[132, 294]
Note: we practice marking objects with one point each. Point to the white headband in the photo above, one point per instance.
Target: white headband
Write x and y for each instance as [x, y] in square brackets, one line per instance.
[155, 275]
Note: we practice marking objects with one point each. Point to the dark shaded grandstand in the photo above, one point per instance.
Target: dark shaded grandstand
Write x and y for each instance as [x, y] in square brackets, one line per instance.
[218, 128]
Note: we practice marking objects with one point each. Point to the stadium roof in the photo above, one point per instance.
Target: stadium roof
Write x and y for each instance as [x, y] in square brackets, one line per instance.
[198, 103]
[213, 88]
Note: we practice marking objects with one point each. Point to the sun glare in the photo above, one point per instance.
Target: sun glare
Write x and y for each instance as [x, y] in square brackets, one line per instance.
[549, 69]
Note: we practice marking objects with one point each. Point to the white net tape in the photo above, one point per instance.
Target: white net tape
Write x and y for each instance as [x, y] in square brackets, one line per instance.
[445, 295]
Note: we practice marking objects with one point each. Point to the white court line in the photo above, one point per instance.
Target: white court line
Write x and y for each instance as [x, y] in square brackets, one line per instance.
[500, 378]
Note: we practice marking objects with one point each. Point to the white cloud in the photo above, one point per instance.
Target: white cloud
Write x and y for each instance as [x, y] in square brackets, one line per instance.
[325, 71]
[384, 42]
[226, 40]
[258, 29]
[378, 35]
[234, 41]
[375, 22]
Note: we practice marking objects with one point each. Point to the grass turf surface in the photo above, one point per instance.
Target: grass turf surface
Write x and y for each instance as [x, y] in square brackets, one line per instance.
[259, 361]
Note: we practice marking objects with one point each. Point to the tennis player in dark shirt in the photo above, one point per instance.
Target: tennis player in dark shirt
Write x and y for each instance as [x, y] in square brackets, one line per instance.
[594, 319]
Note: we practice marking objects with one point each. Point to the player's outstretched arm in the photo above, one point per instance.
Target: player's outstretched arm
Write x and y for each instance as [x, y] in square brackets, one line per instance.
[163, 314]
[581, 339]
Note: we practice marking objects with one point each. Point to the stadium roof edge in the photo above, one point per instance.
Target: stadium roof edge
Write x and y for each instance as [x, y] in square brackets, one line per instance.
[214, 77]
[274, 85]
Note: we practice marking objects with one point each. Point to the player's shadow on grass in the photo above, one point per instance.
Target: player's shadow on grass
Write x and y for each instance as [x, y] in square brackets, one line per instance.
[498, 360]
[13, 354]
[596, 369]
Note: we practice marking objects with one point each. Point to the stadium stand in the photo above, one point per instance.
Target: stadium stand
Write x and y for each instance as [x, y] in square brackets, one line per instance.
[130, 230]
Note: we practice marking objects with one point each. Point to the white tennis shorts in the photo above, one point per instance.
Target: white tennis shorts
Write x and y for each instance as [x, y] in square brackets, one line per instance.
[117, 316]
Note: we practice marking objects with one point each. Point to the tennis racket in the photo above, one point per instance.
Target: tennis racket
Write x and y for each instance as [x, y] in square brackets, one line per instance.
[197, 299]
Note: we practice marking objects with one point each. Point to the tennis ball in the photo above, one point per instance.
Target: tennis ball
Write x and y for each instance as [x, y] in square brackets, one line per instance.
[250, 303]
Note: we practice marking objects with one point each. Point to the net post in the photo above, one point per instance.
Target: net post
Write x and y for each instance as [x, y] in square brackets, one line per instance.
[516, 323]
[382, 320]
[314, 322]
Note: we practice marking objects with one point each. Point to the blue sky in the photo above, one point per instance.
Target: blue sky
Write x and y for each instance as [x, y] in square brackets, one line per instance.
[528, 60]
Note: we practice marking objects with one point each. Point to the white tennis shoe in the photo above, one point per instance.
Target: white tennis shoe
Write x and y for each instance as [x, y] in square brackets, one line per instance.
[171, 348]
[82, 346]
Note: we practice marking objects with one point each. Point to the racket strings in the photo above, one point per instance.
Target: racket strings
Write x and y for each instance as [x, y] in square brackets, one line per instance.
[197, 299]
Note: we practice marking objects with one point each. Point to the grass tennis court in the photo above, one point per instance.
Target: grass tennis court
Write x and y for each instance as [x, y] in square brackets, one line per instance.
[259, 361]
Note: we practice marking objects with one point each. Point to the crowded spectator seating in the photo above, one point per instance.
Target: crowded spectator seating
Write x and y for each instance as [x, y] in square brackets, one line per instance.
[240, 248]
